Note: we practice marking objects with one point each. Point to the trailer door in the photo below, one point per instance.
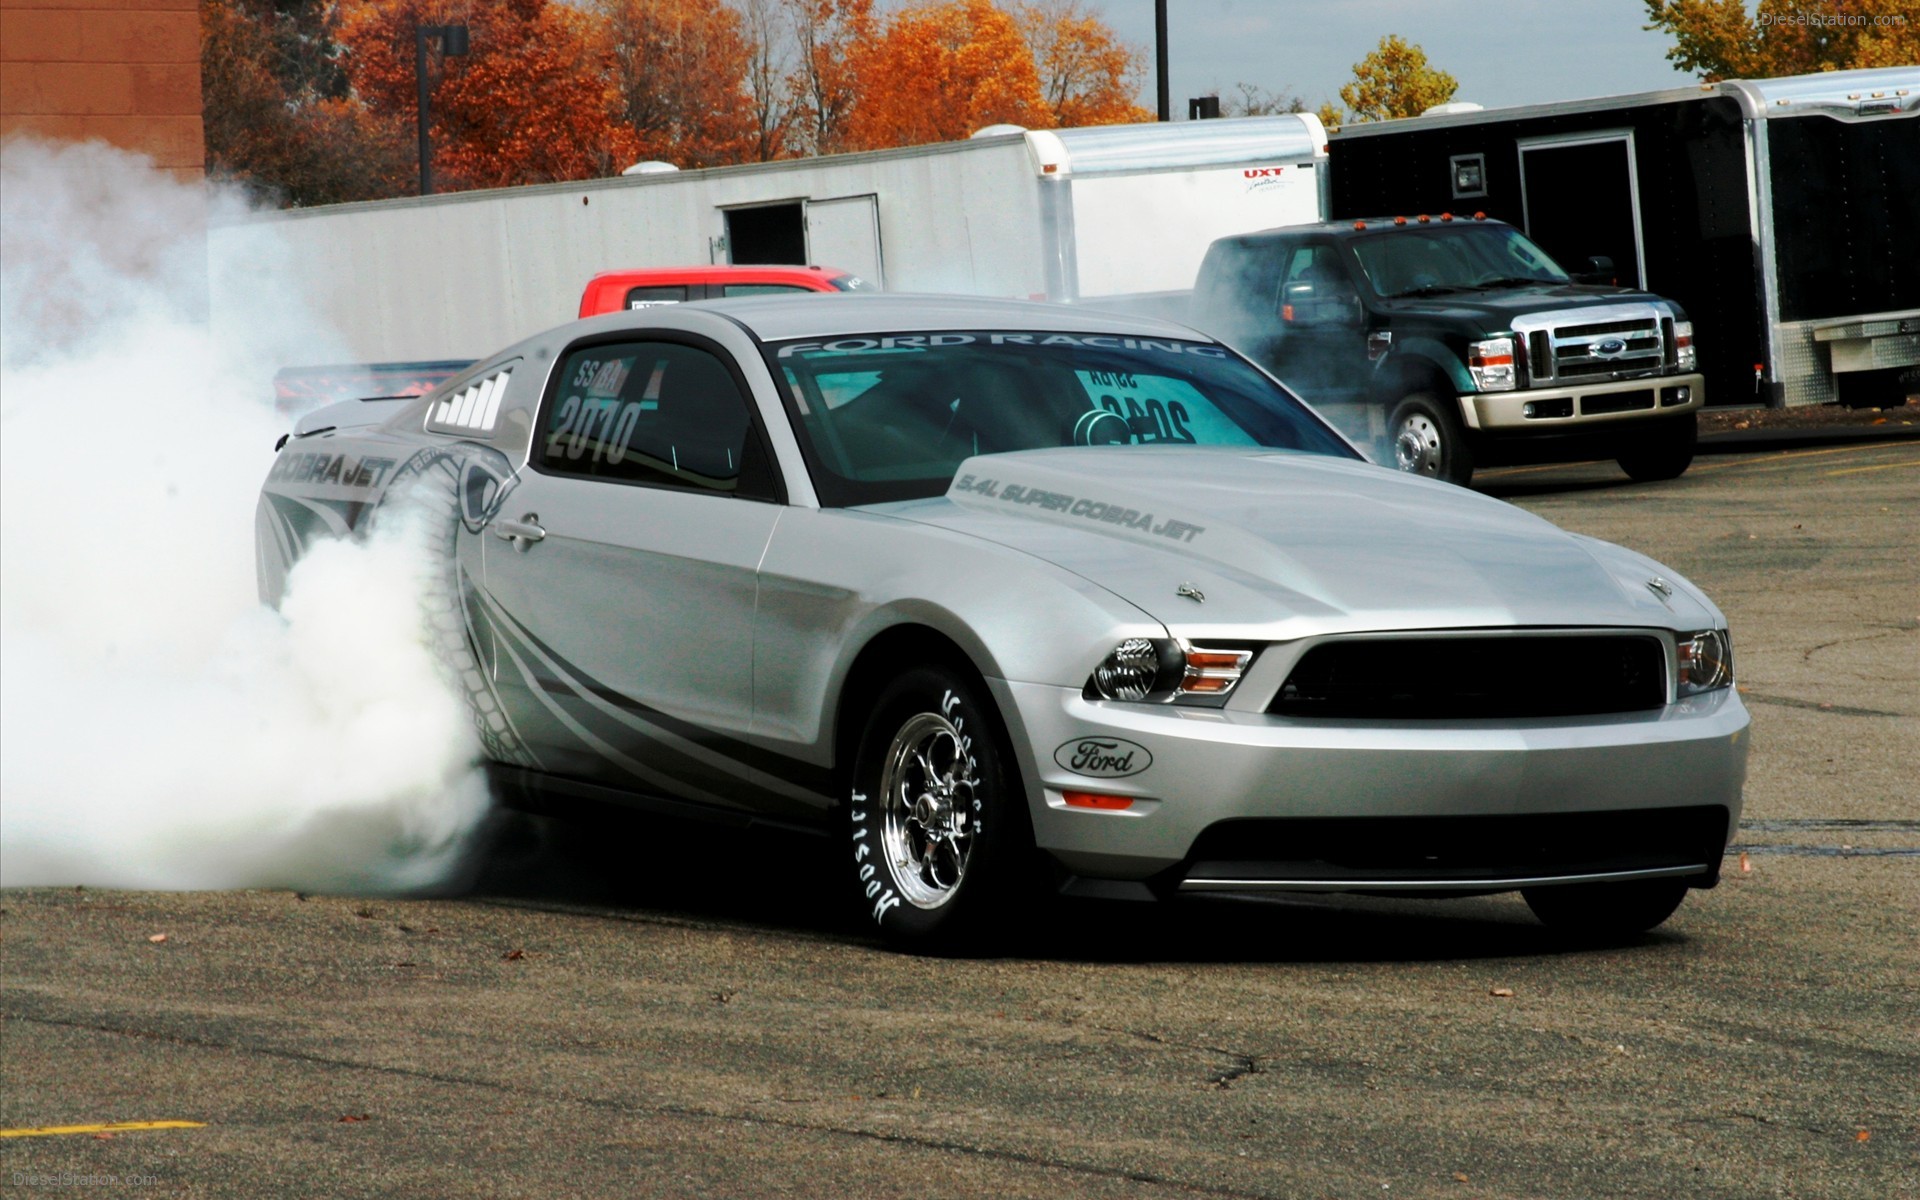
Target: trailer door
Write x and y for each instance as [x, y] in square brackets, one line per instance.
[844, 232]
[1580, 197]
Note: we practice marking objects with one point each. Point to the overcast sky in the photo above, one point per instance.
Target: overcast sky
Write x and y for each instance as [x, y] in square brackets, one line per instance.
[1503, 52]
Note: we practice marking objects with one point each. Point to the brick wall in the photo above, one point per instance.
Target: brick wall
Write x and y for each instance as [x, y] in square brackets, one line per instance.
[126, 72]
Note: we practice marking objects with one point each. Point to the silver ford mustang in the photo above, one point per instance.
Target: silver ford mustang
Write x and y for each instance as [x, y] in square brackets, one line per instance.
[1009, 597]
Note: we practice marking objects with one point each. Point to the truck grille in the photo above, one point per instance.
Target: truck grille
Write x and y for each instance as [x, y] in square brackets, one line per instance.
[1608, 348]
[1438, 678]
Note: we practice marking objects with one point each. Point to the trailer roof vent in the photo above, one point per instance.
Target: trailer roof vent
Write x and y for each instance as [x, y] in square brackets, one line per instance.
[650, 167]
[1451, 107]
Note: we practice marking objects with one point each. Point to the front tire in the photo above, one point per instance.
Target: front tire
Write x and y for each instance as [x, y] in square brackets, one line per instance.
[1428, 438]
[941, 840]
[1664, 453]
[1606, 910]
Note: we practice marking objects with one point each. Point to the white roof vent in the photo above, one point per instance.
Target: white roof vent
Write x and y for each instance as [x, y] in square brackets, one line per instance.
[1451, 107]
[997, 131]
[650, 167]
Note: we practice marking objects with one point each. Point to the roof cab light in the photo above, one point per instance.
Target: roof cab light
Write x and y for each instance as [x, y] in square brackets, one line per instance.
[1705, 662]
[1161, 671]
[1491, 364]
[1683, 353]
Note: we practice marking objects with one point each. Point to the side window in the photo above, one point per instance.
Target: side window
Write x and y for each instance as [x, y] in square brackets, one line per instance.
[647, 297]
[653, 413]
[1317, 289]
[761, 289]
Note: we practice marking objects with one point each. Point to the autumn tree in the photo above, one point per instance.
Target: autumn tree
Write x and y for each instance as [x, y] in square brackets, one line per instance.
[770, 100]
[824, 86]
[278, 116]
[1720, 39]
[1394, 80]
[532, 102]
[679, 69]
[938, 72]
[1252, 100]
[1086, 76]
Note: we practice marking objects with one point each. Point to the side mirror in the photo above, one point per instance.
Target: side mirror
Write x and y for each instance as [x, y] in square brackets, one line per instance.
[1599, 270]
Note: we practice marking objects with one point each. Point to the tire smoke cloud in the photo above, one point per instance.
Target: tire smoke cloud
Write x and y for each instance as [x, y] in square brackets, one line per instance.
[159, 727]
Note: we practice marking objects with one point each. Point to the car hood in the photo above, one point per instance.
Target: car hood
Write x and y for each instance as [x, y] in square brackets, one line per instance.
[1497, 309]
[1280, 544]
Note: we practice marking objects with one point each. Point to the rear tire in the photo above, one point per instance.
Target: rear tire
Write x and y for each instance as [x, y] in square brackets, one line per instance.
[941, 841]
[1428, 438]
[1606, 910]
[1664, 452]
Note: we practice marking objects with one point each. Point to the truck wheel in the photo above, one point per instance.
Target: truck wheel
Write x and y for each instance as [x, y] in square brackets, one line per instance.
[1604, 910]
[941, 842]
[1428, 439]
[1664, 452]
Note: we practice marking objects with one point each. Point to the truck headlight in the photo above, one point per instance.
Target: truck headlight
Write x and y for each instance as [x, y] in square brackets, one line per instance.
[1683, 355]
[1162, 671]
[1491, 364]
[1706, 661]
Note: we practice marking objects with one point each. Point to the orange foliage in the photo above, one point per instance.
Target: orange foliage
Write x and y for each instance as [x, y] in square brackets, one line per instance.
[530, 102]
[1086, 77]
[939, 72]
[678, 69]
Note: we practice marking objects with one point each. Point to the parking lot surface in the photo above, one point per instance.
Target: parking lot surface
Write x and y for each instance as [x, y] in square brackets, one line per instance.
[640, 1010]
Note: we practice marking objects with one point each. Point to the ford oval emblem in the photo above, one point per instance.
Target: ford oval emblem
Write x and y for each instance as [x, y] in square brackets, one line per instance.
[1103, 757]
[1608, 348]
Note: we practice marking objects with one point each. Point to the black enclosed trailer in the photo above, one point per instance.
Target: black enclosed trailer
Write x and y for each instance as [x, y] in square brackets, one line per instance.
[1782, 214]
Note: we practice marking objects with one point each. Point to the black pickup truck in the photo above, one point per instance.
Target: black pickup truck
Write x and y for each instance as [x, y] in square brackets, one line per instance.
[1457, 342]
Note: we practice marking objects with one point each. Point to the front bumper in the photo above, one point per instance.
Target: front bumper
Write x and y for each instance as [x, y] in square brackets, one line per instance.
[1598, 786]
[1586, 406]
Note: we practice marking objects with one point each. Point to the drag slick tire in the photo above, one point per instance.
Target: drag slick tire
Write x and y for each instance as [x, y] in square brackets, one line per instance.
[940, 840]
[1428, 439]
[1606, 910]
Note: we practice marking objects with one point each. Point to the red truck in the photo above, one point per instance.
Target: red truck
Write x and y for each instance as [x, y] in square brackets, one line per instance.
[612, 291]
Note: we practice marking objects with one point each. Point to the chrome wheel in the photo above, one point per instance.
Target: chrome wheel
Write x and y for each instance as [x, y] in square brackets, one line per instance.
[928, 809]
[1417, 446]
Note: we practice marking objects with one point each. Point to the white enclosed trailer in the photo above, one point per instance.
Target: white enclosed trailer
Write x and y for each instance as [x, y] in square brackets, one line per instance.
[1112, 214]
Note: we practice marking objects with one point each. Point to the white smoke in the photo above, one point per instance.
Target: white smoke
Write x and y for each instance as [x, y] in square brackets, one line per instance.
[158, 726]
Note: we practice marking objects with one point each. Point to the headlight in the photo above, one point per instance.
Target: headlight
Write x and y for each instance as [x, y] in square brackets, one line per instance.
[1491, 364]
[1162, 671]
[1683, 355]
[1706, 661]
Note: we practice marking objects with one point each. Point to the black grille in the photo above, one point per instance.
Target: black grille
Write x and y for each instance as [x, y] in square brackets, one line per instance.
[1469, 677]
[1613, 402]
[1437, 849]
[1598, 328]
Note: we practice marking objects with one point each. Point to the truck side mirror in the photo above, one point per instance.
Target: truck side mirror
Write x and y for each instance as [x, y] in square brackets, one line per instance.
[1599, 270]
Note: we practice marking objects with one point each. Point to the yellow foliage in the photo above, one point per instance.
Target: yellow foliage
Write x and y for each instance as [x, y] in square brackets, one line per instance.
[1394, 80]
[1720, 39]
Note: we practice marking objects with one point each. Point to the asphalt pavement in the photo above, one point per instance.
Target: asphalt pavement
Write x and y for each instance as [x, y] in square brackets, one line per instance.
[644, 1010]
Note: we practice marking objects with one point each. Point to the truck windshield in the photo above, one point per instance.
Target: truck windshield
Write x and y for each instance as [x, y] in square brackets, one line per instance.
[1451, 258]
[892, 417]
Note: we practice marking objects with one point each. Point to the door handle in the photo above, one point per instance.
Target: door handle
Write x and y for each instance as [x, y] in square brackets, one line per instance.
[521, 533]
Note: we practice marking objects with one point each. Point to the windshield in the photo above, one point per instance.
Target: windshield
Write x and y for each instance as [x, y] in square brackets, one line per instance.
[892, 417]
[1451, 258]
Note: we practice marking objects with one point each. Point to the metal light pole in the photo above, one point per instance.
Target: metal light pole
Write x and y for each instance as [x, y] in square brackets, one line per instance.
[453, 40]
[1160, 57]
